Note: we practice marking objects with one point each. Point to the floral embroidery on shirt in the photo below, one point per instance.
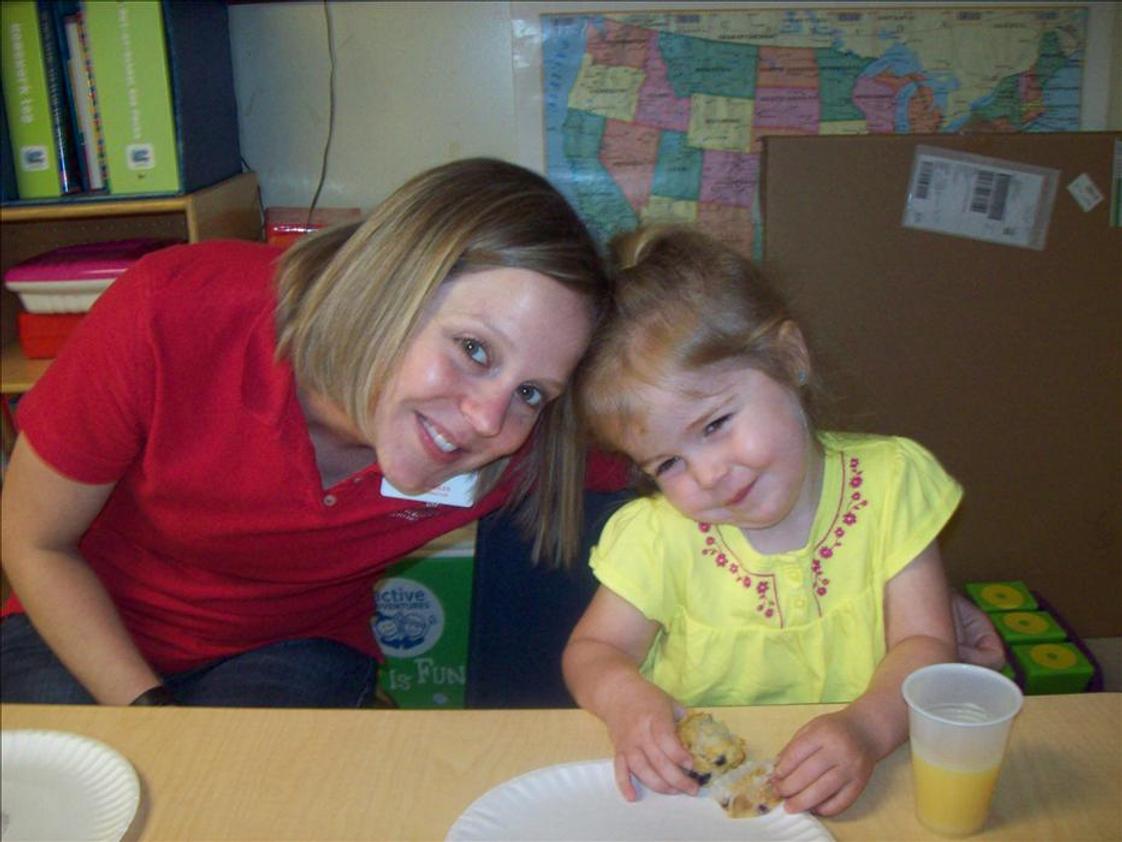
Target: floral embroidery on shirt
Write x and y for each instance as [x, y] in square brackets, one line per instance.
[847, 514]
[761, 584]
[850, 501]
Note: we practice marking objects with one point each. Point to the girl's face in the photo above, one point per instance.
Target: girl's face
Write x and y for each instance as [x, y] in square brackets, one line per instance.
[728, 444]
[493, 348]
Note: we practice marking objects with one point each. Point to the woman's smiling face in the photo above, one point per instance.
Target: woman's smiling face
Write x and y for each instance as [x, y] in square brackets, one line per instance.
[492, 349]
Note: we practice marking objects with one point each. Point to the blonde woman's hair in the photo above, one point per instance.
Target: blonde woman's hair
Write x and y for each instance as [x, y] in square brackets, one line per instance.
[350, 298]
[682, 301]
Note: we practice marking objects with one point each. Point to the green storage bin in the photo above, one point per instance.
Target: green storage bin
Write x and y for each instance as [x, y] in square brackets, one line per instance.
[422, 615]
[1001, 596]
[1053, 668]
[1027, 627]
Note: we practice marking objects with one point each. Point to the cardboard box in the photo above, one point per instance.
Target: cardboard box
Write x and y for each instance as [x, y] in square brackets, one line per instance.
[422, 616]
[1003, 361]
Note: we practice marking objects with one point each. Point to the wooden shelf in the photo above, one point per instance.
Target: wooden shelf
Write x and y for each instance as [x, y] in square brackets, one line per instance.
[230, 208]
[17, 372]
[78, 208]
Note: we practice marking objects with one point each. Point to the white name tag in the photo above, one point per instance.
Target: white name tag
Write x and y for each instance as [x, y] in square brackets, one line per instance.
[458, 491]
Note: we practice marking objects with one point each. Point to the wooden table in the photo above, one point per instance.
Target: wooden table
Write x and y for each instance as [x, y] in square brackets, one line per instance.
[217, 774]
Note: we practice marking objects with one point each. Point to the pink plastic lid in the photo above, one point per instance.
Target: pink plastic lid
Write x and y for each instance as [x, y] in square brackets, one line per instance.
[86, 261]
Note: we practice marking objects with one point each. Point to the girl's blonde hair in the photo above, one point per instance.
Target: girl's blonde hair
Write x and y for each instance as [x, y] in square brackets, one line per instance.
[682, 301]
[349, 299]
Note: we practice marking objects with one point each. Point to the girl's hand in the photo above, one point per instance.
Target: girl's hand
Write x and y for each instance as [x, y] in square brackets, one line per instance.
[830, 759]
[826, 765]
[642, 730]
[601, 667]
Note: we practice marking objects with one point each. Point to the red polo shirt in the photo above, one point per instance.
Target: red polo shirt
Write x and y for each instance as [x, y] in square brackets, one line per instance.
[218, 536]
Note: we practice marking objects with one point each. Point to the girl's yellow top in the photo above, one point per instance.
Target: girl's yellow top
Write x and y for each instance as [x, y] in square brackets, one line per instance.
[739, 627]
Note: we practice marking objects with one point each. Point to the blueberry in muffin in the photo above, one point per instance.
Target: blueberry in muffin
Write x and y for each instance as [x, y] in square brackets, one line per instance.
[714, 747]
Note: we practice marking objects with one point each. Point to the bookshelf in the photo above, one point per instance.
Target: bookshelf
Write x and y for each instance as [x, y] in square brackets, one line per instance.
[229, 209]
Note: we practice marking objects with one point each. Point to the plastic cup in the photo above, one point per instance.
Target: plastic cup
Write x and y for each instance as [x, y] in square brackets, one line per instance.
[959, 717]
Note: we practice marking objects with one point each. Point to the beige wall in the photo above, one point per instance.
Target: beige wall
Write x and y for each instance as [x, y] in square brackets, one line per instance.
[1114, 118]
[416, 84]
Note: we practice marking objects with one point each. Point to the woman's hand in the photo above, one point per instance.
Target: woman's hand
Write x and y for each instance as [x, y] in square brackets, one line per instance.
[826, 765]
[976, 639]
[44, 516]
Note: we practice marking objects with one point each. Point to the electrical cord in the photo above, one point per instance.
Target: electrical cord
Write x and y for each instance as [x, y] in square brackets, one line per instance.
[330, 109]
[260, 200]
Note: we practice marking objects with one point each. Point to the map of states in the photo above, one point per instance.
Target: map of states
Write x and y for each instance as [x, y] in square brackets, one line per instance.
[659, 117]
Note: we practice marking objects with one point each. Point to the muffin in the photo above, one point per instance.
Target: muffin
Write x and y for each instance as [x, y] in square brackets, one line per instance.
[747, 790]
[715, 749]
[743, 787]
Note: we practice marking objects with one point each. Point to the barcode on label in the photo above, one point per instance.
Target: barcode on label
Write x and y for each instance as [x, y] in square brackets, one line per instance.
[1000, 194]
[991, 190]
[983, 187]
[923, 179]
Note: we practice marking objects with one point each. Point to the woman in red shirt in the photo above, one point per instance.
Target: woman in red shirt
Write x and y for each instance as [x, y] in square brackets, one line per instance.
[214, 471]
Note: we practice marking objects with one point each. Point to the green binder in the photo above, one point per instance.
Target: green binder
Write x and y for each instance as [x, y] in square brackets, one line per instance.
[130, 70]
[27, 101]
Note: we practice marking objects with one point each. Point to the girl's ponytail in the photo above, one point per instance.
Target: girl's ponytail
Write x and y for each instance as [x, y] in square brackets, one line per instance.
[630, 248]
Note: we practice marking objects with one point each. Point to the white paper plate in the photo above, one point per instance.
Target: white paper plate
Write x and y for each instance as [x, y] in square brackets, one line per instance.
[59, 786]
[579, 801]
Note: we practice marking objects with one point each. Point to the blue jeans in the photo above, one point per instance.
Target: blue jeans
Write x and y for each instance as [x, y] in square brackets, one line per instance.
[312, 673]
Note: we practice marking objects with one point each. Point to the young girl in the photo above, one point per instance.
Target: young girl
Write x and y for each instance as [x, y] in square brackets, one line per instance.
[775, 563]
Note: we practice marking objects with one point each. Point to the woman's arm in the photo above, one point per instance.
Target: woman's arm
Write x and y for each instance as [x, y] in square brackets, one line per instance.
[601, 667]
[44, 516]
[827, 763]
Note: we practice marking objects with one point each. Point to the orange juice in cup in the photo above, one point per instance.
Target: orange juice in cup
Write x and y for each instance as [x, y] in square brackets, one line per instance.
[950, 801]
[959, 717]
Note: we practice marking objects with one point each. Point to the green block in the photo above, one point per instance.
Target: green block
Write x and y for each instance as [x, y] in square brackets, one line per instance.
[1027, 627]
[421, 620]
[1008, 671]
[1053, 668]
[1001, 596]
